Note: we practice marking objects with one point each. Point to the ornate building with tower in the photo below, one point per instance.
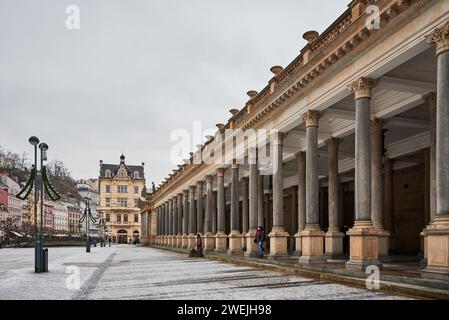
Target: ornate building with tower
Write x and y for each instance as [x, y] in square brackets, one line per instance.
[120, 186]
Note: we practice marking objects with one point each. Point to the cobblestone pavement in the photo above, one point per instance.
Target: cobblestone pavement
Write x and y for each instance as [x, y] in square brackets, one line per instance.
[128, 272]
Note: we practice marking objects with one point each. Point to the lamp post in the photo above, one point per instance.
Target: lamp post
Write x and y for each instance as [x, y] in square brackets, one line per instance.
[38, 186]
[34, 141]
[87, 216]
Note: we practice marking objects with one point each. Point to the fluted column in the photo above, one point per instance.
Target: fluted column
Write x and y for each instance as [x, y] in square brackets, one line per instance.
[438, 231]
[251, 247]
[301, 157]
[334, 238]
[235, 237]
[364, 238]
[192, 218]
[278, 236]
[221, 237]
[171, 222]
[185, 219]
[312, 236]
[209, 237]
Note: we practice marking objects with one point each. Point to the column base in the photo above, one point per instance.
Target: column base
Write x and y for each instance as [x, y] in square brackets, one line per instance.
[251, 246]
[312, 246]
[278, 243]
[363, 246]
[437, 234]
[191, 241]
[384, 246]
[221, 242]
[179, 241]
[235, 243]
[298, 244]
[209, 243]
[334, 245]
[185, 241]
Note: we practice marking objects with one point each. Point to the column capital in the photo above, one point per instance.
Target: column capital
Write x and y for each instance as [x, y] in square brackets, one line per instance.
[300, 155]
[234, 166]
[440, 38]
[332, 142]
[185, 192]
[200, 183]
[192, 188]
[209, 178]
[277, 138]
[311, 118]
[220, 172]
[431, 100]
[362, 88]
[180, 194]
[377, 124]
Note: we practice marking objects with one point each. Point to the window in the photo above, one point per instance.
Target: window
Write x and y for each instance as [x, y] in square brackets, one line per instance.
[108, 202]
[119, 218]
[122, 174]
[136, 202]
[125, 218]
[122, 189]
[136, 174]
[107, 173]
[108, 217]
[136, 189]
[107, 188]
[122, 202]
[136, 218]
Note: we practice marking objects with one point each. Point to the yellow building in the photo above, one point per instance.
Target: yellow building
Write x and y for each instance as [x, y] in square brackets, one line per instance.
[120, 187]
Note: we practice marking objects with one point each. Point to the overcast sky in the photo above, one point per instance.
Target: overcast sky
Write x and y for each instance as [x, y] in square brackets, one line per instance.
[138, 69]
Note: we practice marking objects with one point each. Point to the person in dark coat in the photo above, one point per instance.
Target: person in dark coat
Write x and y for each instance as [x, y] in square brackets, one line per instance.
[260, 238]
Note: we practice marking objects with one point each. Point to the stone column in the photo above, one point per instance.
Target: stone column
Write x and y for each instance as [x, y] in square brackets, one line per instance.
[301, 157]
[251, 247]
[334, 238]
[364, 240]
[437, 231]
[260, 200]
[199, 208]
[192, 219]
[245, 209]
[175, 222]
[376, 189]
[185, 220]
[171, 223]
[180, 213]
[214, 213]
[312, 236]
[209, 237]
[221, 239]
[278, 235]
[235, 237]
[158, 230]
[166, 223]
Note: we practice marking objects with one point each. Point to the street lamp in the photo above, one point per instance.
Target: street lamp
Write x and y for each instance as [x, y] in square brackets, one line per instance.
[39, 185]
[87, 216]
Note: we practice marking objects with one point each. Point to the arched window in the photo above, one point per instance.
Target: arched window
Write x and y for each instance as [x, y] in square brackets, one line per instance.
[122, 174]
[107, 173]
[136, 174]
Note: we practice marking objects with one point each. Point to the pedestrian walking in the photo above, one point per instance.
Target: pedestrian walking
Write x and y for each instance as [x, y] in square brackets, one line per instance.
[260, 238]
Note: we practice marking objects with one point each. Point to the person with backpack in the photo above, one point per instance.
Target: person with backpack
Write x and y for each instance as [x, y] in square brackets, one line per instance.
[260, 238]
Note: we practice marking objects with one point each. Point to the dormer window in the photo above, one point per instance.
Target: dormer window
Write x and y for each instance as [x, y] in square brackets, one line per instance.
[122, 174]
[136, 174]
[107, 173]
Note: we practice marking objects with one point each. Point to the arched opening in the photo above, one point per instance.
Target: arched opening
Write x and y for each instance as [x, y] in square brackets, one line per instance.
[136, 234]
[122, 236]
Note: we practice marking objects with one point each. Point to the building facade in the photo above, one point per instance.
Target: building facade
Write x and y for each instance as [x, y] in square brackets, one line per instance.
[15, 205]
[120, 187]
[358, 131]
